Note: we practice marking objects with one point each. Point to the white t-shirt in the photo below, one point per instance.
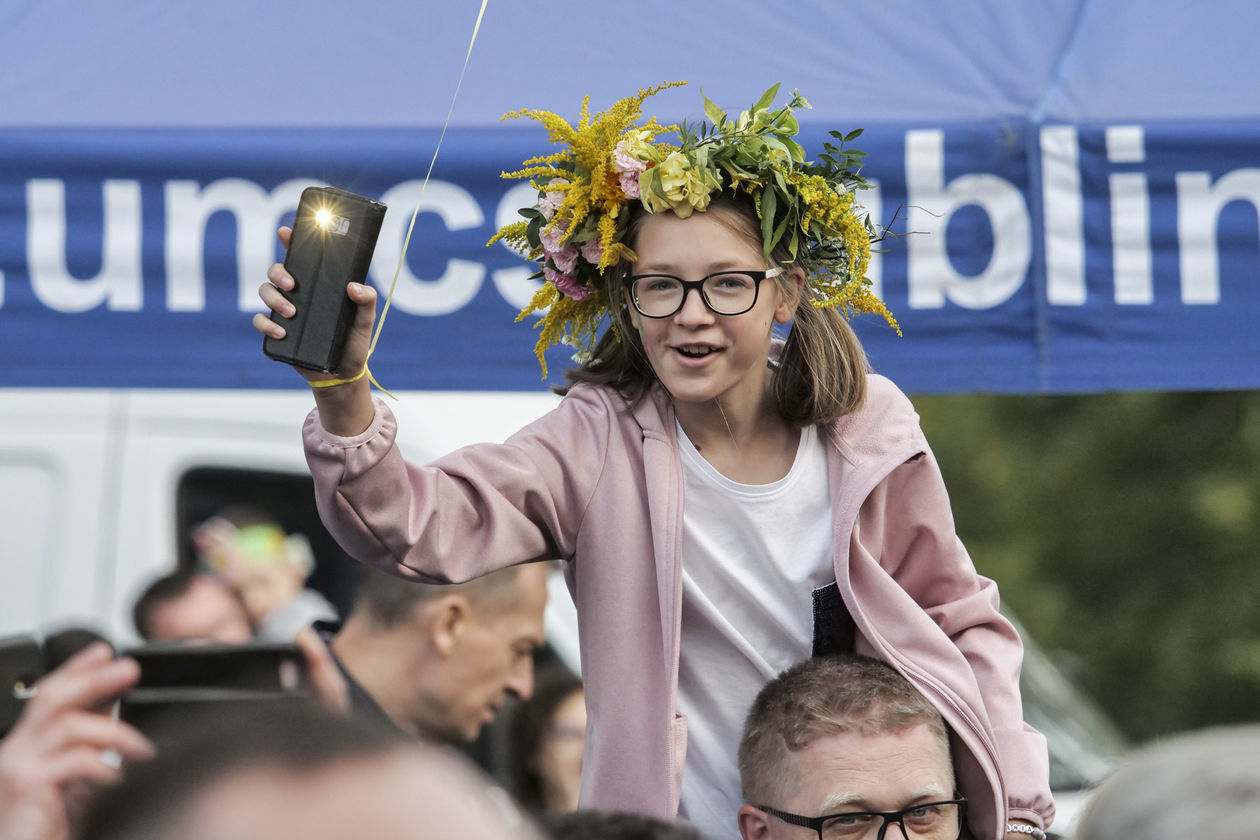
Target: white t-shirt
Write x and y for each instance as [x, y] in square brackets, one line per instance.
[752, 556]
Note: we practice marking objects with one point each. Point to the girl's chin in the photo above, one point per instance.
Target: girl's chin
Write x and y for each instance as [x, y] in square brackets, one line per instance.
[688, 390]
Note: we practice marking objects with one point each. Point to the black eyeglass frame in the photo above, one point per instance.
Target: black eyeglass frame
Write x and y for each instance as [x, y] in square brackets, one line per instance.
[698, 285]
[889, 817]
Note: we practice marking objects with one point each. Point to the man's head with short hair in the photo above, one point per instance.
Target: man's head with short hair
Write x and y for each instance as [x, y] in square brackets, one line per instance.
[1197, 784]
[298, 773]
[440, 659]
[188, 605]
[837, 734]
[386, 601]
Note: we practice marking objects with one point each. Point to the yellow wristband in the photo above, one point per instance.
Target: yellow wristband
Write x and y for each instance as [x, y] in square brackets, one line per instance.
[328, 383]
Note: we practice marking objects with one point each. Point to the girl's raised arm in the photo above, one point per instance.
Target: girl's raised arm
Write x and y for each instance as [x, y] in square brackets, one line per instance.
[345, 409]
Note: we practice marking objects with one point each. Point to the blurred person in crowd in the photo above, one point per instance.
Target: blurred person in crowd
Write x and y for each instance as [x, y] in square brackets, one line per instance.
[844, 746]
[301, 774]
[267, 569]
[438, 661]
[59, 752]
[546, 736]
[187, 606]
[615, 825]
[1198, 784]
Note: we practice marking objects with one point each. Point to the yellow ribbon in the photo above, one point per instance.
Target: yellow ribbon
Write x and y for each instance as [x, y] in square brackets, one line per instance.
[328, 383]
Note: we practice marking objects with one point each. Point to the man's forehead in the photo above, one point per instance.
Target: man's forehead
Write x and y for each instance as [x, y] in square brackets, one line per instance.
[519, 625]
[886, 771]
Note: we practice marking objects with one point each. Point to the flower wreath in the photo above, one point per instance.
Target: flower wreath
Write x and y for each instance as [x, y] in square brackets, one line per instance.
[576, 228]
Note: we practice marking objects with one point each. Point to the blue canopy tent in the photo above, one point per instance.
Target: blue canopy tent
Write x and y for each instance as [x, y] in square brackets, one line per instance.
[1078, 181]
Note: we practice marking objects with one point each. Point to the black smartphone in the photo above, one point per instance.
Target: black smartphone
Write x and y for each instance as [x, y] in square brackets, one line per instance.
[179, 680]
[21, 664]
[334, 236]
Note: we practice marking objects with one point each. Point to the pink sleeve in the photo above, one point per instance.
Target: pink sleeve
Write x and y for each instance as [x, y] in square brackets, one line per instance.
[927, 559]
[481, 508]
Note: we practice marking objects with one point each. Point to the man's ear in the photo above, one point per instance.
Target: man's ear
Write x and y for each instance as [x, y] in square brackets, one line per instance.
[754, 824]
[447, 619]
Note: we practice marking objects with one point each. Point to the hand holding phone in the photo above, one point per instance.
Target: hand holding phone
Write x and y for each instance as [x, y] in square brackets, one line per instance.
[334, 235]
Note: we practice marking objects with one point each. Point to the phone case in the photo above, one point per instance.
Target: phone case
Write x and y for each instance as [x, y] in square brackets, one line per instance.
[334, 235]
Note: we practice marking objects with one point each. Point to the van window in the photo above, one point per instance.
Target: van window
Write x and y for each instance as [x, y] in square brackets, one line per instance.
[289, 498]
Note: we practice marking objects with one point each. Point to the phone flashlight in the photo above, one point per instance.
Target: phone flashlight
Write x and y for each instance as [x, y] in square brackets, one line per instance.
[329, 222]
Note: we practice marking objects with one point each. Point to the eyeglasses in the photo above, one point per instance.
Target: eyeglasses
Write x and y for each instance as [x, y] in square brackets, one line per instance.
[928, 821]
[724, 292]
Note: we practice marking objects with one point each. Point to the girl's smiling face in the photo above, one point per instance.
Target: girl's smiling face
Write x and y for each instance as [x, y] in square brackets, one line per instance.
[700, 356]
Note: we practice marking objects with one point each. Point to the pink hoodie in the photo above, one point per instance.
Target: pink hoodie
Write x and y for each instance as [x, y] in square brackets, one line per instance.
[600, 485]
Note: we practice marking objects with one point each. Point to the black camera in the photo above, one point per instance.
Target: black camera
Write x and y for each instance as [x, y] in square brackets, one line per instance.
[176, 679]
[180, 679]
[21, 664]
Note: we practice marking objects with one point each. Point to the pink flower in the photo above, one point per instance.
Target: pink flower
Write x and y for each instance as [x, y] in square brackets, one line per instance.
[551, 199]
[550, 236]
[629, 184]
[593, 250]
[628, 168]
[565, 259]
[568, 286]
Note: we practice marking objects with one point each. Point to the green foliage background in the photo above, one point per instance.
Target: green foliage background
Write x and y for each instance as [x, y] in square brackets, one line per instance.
[1122, 529]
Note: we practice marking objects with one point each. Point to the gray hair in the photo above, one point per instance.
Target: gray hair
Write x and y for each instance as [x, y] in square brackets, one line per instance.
[827, 695]
[1201, 784]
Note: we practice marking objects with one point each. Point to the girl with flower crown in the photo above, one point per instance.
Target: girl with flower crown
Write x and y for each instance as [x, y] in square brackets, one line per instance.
[726, 503]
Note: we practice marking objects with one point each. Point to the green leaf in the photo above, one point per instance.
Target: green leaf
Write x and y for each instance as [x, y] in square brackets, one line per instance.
[715, 114]
[533, 230]
[794, 149]
[788, 124]
[767, 98]
[769, 202]
[853, 135]
[654, 175]
[778, 234]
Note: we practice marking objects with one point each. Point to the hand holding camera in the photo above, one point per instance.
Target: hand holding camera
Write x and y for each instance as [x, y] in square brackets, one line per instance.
[61, 746]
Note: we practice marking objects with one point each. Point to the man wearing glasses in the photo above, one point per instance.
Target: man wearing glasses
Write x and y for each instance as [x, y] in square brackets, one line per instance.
[844, 748]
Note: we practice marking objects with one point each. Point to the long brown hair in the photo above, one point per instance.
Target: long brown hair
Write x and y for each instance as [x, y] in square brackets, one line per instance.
[819, 376]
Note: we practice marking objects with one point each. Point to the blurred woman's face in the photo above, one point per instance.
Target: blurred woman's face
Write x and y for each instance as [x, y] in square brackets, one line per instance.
[560, 754]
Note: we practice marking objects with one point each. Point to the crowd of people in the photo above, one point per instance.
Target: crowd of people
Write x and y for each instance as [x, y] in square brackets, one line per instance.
[837, 746]
[781, 633]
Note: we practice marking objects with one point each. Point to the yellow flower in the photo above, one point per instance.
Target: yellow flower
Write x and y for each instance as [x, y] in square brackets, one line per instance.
[638, 145]
[683, 186]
